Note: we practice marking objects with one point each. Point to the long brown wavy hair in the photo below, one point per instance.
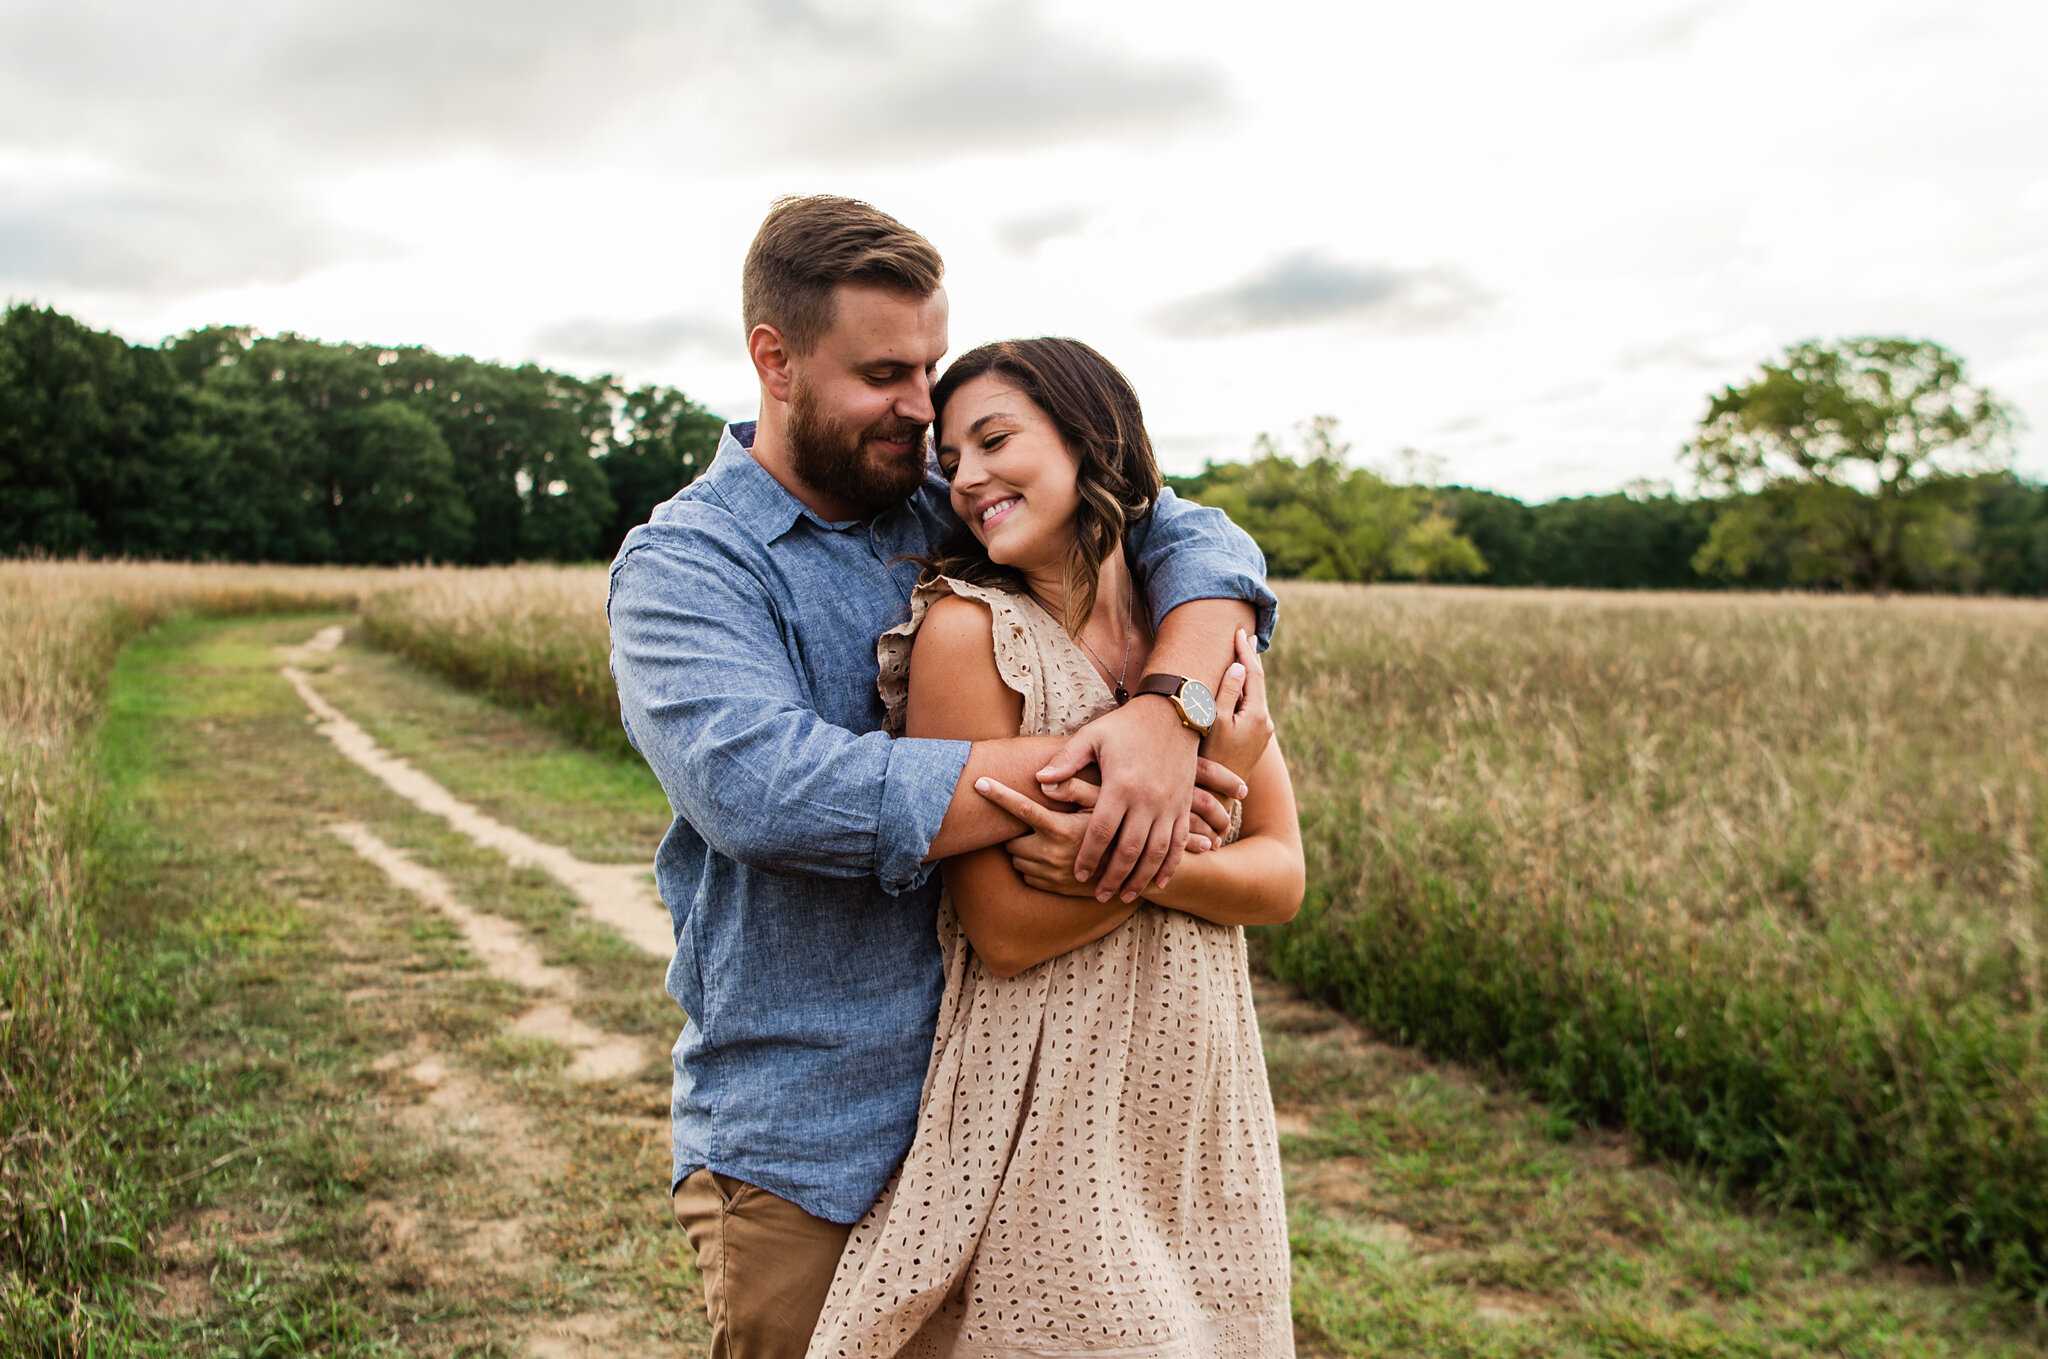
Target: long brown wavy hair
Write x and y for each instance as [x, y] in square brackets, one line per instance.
[1096, 412]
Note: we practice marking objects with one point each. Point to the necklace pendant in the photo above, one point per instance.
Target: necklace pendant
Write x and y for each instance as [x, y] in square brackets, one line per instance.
[1123, 695]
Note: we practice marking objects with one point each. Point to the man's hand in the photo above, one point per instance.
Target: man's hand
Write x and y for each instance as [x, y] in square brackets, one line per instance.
[1045, 857]
[1215, 787]
[1147, 755]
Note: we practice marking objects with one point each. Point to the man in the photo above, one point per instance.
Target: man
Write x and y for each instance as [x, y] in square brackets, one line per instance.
[744, 618]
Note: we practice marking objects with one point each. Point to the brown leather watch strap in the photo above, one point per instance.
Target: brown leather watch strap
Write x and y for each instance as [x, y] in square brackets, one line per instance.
[1162, 683]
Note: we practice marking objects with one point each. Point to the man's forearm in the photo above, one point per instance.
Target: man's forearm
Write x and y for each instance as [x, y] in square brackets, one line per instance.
[1199, 640]
[972, 821]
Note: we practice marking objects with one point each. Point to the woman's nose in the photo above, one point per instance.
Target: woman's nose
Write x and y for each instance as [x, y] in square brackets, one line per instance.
[968, 473]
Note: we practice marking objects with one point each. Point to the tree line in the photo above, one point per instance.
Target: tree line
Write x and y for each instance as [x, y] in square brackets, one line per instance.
[1870, 463]
[225, 444]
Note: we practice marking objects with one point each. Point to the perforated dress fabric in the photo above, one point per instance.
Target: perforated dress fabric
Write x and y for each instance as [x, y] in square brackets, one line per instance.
[1096, 1169]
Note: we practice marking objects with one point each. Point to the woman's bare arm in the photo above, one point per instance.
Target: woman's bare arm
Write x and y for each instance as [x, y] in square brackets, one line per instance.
[957, 694]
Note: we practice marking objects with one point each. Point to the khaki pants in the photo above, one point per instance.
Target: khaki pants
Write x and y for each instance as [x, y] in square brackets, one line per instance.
[767, 1265]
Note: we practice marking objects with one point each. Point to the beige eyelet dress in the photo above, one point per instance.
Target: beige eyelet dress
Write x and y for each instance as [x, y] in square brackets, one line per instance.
[1096, 1169]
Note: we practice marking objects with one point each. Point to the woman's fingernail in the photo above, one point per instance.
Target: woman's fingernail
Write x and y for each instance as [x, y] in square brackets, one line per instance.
[981, 785]
[1235, 672]
[1242, 790]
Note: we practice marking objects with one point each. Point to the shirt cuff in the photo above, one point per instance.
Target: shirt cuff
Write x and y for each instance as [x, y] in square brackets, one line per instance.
[917, 788]
[1178, 582]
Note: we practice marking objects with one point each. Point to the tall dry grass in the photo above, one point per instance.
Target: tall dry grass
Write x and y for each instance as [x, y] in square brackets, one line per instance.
[72, 1206]
[1759, 877]
[533, 637]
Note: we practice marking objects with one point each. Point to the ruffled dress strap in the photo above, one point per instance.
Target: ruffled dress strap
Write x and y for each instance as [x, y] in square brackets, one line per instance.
[1017, 632]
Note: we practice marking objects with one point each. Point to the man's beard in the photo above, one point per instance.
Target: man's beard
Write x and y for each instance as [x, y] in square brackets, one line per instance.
[833, 461]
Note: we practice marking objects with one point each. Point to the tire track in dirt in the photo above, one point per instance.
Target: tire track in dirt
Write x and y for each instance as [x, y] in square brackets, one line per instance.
[618, 895]
[509, 955]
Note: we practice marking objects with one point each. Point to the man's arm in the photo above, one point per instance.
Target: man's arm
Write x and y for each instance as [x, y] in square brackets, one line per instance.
[1204, 580]
[710, 699]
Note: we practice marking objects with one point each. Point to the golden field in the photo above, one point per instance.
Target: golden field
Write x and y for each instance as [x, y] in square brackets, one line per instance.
[1757, 877]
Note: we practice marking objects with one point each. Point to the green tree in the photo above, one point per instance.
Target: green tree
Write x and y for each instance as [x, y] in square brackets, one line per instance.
[1317, 518]
[2012, 535]
[86, 424]
[1854, 462]
[525, 442]
[662, 442]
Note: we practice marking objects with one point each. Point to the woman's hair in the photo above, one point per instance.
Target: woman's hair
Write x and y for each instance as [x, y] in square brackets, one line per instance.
[1096, 412]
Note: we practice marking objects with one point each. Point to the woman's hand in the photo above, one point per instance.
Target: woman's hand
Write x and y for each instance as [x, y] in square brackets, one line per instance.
[1044, 859]
[1243, 727]
[1216, 788]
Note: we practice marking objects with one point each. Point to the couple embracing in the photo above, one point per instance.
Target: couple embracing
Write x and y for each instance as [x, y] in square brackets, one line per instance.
[1016, 1106]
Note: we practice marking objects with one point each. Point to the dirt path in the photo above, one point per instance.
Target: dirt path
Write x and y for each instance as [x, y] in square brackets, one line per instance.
[619, 895]
[467, 1144]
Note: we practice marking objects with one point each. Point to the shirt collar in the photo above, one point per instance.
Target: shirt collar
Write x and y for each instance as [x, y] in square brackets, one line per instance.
[760, 502]
[755, 498]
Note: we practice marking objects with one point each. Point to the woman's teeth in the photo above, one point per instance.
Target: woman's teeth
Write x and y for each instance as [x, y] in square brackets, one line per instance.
[997, 508]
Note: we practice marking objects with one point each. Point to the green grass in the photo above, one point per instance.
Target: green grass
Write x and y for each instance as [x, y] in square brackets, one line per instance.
[272, 978]
[1436, 1214]
[1757, 880]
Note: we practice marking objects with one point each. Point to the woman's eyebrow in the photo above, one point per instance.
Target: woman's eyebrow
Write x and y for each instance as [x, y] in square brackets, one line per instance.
[975, 428]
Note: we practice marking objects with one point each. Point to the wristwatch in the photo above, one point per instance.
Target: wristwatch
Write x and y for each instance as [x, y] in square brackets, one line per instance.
[1197, 706]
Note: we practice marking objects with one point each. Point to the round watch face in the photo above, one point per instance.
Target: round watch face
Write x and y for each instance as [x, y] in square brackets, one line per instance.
[1198, 703]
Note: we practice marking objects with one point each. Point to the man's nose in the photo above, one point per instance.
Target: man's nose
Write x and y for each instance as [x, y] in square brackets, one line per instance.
[915, 403]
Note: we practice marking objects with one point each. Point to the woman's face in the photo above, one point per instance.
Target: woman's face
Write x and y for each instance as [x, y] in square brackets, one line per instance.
[1015, 482]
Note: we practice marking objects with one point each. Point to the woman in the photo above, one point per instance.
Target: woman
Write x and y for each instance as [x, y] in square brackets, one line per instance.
[1095, 1168]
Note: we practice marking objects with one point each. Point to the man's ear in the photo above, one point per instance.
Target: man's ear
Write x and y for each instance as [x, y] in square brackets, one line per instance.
[773, 362]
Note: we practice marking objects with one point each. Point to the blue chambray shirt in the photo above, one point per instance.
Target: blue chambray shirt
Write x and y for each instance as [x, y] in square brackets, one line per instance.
[743, 643]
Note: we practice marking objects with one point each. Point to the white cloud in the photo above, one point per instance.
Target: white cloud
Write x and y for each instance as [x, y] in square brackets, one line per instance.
[1647, 199]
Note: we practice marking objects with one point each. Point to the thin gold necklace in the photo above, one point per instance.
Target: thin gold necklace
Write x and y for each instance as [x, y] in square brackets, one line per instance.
[1123, 695]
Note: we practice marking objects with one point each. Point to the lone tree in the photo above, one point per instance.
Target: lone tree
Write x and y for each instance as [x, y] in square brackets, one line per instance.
[1851, 462]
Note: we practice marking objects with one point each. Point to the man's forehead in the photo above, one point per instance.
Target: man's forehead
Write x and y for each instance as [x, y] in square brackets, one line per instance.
[871, 324]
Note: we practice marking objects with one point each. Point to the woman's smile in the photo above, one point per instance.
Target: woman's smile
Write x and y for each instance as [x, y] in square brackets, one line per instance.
[999, 510]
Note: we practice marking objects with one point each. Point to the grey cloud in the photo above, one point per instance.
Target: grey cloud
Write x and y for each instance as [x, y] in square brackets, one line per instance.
[1669, 31]
[999, 78]
[1311, 287]
[1022, 234]
[148, 238]
[249, 103]
[645, 340]
[293, 84]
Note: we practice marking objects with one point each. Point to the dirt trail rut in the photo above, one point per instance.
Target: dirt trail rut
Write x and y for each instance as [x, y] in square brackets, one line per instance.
[618, 895]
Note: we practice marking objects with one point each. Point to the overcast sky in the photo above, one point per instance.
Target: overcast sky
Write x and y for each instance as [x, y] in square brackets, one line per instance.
[1526, 240]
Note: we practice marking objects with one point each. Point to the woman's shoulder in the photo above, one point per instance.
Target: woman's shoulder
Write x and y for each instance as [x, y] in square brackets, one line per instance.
[953, 621]
[959, 629]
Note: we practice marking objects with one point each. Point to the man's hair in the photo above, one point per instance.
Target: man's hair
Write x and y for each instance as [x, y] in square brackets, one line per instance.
[806, 247]
[1096, 411]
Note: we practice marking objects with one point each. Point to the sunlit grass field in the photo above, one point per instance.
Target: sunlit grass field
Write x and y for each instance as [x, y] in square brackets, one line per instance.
[1755, 877]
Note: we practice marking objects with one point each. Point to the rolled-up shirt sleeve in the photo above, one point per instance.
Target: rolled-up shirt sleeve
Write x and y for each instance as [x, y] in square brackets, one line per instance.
[711, 699]
[1183, 551]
